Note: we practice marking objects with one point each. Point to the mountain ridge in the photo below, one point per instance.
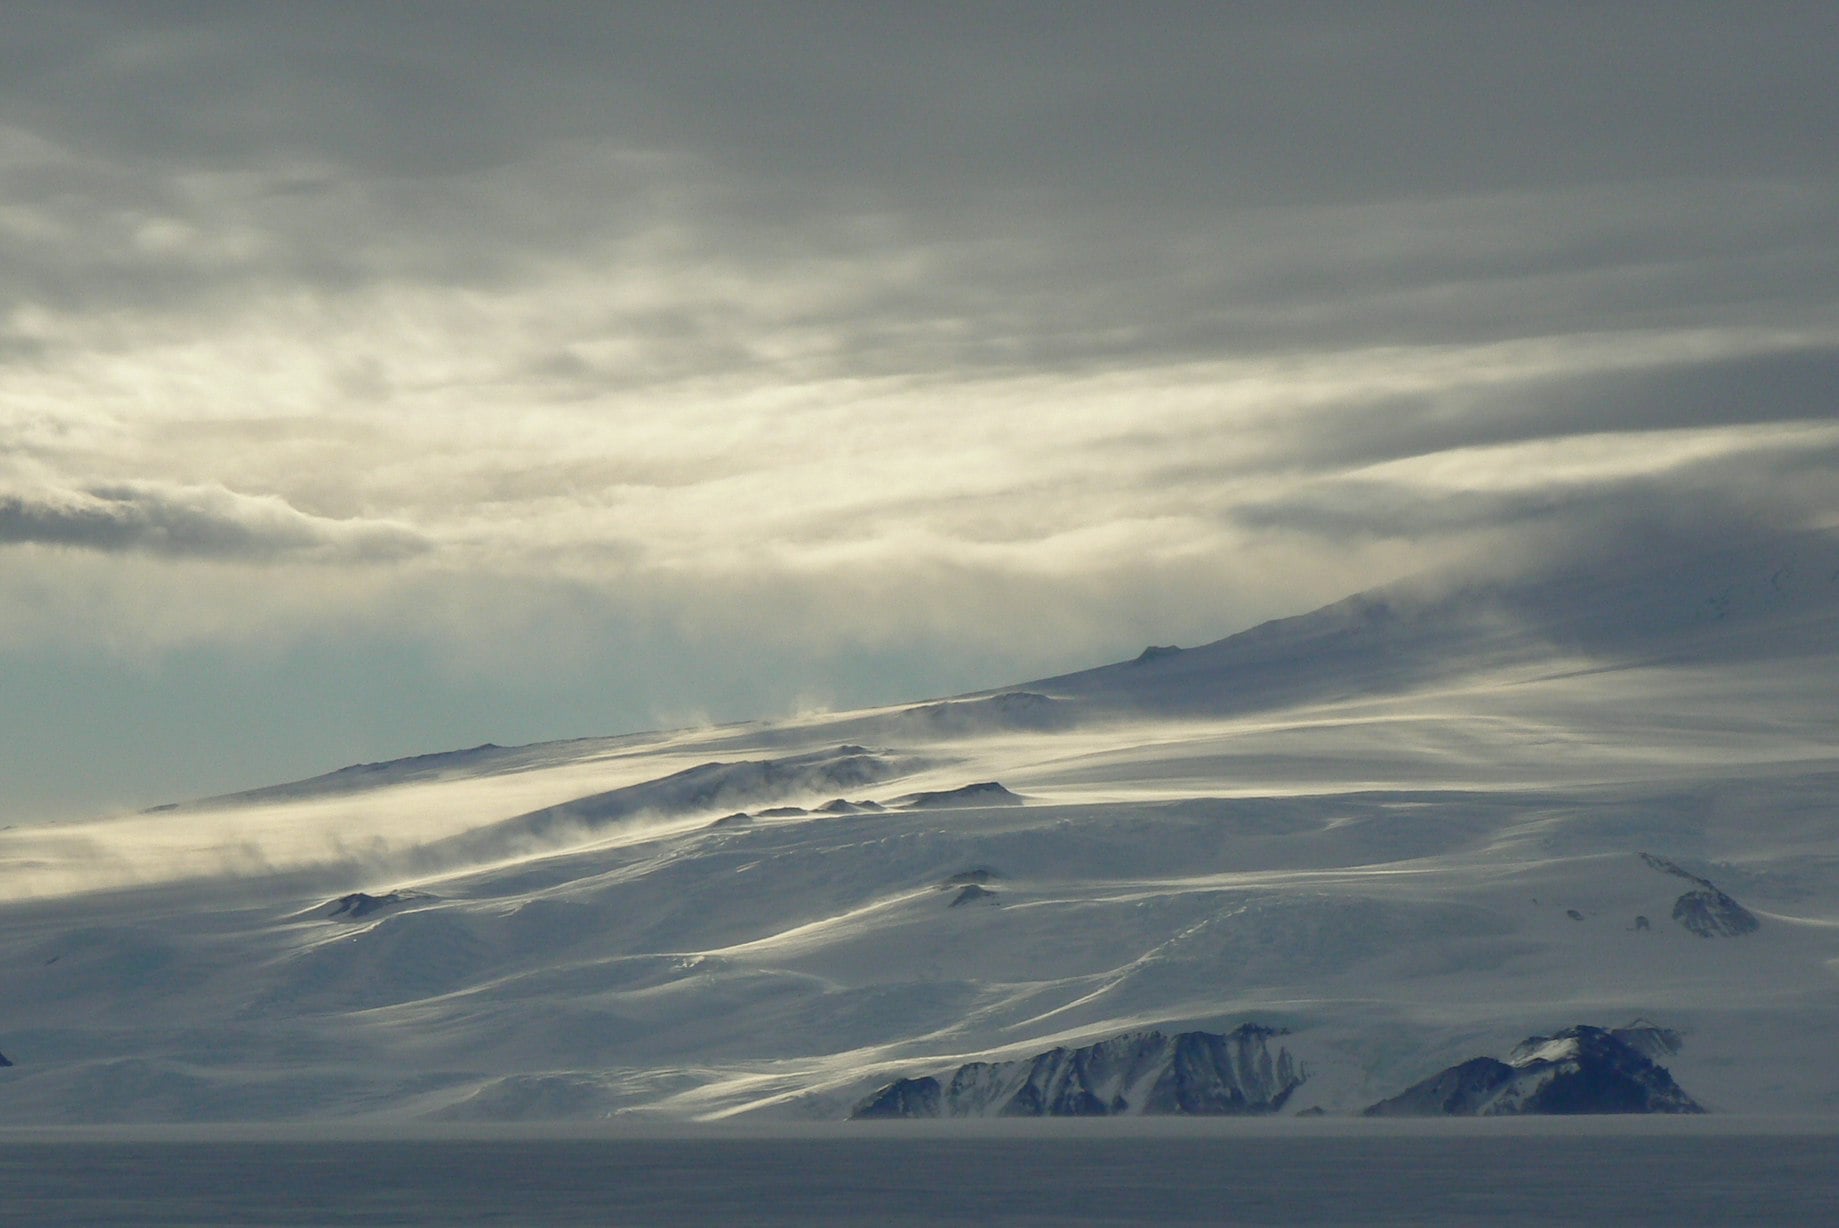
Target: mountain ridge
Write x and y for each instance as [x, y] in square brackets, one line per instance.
[1399, 834]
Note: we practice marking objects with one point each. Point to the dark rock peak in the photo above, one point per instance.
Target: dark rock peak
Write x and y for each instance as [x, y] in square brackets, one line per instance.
[842, 805]
[715, 788]
[1582, 1069]
[1705, 910]
[903, 1098]
[972, 894]
[360, 904]
[1155, 652]
[984, 793]
[782, 812]
[1668, 867]
[1462, 1090]
[980, 876]
[1712, 914]
[733, 820]
[1192, 1073]
[4, 1061]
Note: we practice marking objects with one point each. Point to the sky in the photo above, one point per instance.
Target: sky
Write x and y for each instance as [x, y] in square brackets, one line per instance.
[380, 379]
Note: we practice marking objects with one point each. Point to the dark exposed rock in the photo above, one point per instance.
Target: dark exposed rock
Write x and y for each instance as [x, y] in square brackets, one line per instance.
[1582, 1069]
[903, 1098]
[1155, 652]
[842, 805]
[360, 904]
[782, 812]
[972, 894]
[1712, 914]
[980, 876]
[1191, 1073]
[985, 793]
[733, 820]
[4, 1060]
[1705, 910]
[708, 788]
[1463, 1090]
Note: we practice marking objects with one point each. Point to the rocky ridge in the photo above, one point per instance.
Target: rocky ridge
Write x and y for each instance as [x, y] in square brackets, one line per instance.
[1582, 1069]
[1139, 1073]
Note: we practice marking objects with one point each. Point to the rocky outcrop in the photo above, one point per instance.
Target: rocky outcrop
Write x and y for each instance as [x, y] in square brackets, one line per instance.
[1139, 1073]
[361, 904]
[1582, 1069]
[1705, 910]
[971, 886]
[973, 894]
[984, 793]
[842, 805]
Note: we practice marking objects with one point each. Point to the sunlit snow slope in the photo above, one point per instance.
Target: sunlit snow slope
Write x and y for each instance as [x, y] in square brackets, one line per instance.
[1407, 829]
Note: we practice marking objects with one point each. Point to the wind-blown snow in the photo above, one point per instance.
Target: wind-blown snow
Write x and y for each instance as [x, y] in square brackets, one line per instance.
[1406, 829]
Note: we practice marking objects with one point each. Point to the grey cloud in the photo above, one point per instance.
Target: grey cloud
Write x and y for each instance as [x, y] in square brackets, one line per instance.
[1747, 390]
[196, 522]
[1262, 102]
[1353, 509]
[1083, 185]
[1772, 387]
[1758, 490]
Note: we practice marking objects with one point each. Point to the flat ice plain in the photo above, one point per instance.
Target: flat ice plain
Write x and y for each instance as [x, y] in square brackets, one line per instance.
[1264, 1173]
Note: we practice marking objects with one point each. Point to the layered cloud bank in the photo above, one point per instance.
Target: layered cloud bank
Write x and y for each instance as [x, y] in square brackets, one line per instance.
[589, 370]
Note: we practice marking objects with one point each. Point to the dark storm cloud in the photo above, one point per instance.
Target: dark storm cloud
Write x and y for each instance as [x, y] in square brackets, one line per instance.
[1269, 103]
[195, 522]
[1746, 390]
[1768, 389]
[1082, 185]
[1748, 491]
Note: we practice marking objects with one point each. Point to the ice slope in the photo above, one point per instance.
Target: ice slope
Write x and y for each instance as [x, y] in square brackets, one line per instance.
[1416, 826]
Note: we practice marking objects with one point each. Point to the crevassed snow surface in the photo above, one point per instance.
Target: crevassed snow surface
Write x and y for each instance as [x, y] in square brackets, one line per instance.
[1407, 829]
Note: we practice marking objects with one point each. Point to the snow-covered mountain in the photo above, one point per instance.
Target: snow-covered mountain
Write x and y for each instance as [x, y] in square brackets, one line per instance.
[1412, 827]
